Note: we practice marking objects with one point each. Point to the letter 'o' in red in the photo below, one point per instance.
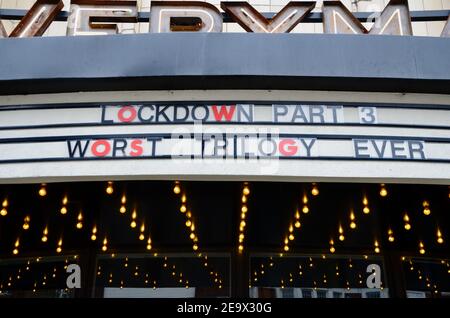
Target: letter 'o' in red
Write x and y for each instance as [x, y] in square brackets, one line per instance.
[100, 144]
[127, 114]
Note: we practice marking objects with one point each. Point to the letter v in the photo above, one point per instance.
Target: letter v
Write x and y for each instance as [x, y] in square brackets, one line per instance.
[253, 21]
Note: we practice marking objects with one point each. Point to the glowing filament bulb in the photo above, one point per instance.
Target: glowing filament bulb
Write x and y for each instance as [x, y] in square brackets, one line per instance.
[246, 190]
[426, 208]
[297, 224]
[183, 208]
[244, 199]
[195, 247]
[391, 236]
[244, 209]
[439, 238]
[176, 188]
[305, 209]
[406, 220]
[188, 223]
[192, 236]
[286, 248]
[59, 247]
[105, 244]
[45, 235]
[16, 247]
[142, 229]
[314, 190]
[80, 221]
[291, 228]
[133, 223]
[352, 220]
[63, 210]
[4, 211]
[383, 190]
[241, 237]
[377, 247]
[65, 200]
[149, 244]
[26, 223]
[291, 237]
[183, 198]
[240, 248]
[421, 248]
[42, 190]
[94, 233]
[109, 188]
[341, 233]
[122, 209]
[332, 248]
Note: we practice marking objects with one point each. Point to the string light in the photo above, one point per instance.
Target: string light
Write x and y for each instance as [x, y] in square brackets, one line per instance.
[366, 209]
[407, 225]
[341, 233]
[94, 233]
[142, 229]
[59, 247]
[383, 190]
[391, 236]
[376, 246]
[123, 201]
[439, 237]
[45, 235]
[109, 188]
[43, 190]
[80, 221]
[26, 223]
[291, 230]
[352, 220]
[242, 223]
[305, 208]
[315, 189]
[133, 223]
[426, 208]
[332, 248]
[16, 247]
[105, 244]
[4, 210]
[176, 188]
[421, 248]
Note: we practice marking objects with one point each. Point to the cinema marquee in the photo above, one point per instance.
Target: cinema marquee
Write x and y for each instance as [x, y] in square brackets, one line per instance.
[186, 161]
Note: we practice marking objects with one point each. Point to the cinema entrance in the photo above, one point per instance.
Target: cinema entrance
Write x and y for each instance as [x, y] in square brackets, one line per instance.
[224, 239]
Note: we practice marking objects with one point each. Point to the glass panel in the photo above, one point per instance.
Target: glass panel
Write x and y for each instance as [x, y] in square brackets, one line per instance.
[316, 276]
[163, 276]
[427, 278]
[36, 277]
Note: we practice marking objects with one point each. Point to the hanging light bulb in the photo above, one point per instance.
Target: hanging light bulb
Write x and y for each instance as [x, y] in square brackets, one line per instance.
[195, 247]
[109, 188]
[94, 233]
[59, 247]
[80, 221]
[421, 248]
[305, 208]
[352, 220]
[332, 248]
[183, 208]
[26, 223]
[4, 211]
[45, 235]
[426, 208]
[246, 189]
[406, 220]
[105, 244]
[383, 190]
[376, 247]
[391, 236]
[176, 188]
[366, 209]
[142, 229]
[43, 190]
[149, 243]
[439, 237]
[123, 201]
[133, 223]
[16, 247]
[341, 233]
[192, 236]
[240, 248]
[315, 189]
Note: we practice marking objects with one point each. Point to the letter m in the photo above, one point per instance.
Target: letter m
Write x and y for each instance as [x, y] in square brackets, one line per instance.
[394, 20]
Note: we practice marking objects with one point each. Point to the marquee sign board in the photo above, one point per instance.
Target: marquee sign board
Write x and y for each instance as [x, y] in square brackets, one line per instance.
[93, 17]
[225, 131]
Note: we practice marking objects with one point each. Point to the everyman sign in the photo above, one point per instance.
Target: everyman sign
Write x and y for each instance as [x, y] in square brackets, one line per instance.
[94, 17]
